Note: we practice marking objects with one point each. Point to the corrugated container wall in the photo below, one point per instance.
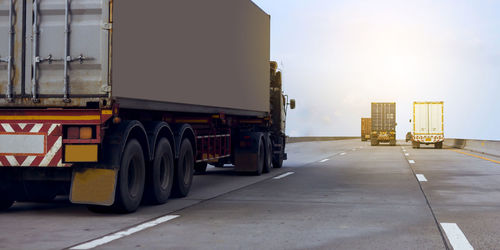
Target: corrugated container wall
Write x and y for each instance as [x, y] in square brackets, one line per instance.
[145, 54]
[366, 126]
[208, 53]
[383, 116]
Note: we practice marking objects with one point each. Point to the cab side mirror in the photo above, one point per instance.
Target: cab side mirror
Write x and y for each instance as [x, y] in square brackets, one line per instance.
[292, 103]
[410, 120]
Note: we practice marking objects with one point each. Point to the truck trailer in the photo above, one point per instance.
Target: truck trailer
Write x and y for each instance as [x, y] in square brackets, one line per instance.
[383, 123]
[428, 124]
[366, 128]
[115, 103]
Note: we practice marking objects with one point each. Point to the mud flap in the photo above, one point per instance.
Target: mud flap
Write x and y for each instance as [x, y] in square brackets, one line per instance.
[246, 153]
[93, 186]
[246, 162]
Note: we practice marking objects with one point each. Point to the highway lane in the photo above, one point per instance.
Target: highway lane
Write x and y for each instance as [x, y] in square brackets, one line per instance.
[59, 224]
[464, 190]
[339, 194]
[365, 198]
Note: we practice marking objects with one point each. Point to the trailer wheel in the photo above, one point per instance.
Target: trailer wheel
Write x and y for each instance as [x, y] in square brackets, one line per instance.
[183, 177]
[261, 157]
[278, 158]
[392, 143]
[438, 145]
[415, 144]
[374, 142]
[6, 204]
[161, 174]
[131, 178]
[268, 155]
[200, 167]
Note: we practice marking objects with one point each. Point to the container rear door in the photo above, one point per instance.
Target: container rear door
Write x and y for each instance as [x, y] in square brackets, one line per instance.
[383, 116]
[436, 118]
[67, 49]
[11, 47]
[421, 118]
[377, 114]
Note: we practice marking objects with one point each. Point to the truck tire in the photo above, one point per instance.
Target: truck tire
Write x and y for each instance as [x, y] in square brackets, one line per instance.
[131, 179]
[438, 145]
[200, 167]
[160, 176]
[7, 193]
[6, 204]
[392, 143]
[415, 144]
[183, 177]
[374, 142]
[278, 158]
[261, 157]
[268, 155]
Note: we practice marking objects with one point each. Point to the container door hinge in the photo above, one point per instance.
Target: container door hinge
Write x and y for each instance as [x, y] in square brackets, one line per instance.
[107, 26]
[106, 89]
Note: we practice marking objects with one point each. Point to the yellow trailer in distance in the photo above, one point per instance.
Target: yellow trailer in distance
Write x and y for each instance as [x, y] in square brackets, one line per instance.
[428, 124]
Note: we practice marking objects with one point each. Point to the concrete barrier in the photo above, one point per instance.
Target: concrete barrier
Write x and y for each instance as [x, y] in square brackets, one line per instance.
[478, 146]
[312, 138]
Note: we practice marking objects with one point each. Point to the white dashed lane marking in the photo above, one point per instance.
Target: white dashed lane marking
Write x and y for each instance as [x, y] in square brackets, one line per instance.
[121, 234]
[456, 237]
[421, 178]
[325, 160]
[411, 161]
[342, 153]
[283, 175]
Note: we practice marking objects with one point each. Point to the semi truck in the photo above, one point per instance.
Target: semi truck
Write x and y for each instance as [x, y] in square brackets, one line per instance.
[366, 128]
[116, 103]
[428, 124]
[383, 123]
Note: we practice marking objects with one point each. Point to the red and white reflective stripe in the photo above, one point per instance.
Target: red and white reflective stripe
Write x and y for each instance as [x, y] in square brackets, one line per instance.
[53, 145]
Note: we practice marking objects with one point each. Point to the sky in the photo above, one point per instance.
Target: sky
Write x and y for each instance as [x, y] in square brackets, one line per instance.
[339, 56]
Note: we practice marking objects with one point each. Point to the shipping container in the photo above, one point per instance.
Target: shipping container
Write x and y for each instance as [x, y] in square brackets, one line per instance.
[109, 95]
[366, 128]
[428, 124]
[190, 58]
[383, 123]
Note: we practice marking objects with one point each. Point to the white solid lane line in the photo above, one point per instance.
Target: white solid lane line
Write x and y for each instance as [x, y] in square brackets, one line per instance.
[121, 234]
[411, 161]
[283, 175]
[421, 178]
[456, 237]
[325, 160]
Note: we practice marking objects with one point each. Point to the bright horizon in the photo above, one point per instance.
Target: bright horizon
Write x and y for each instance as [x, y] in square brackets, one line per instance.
[339, 56]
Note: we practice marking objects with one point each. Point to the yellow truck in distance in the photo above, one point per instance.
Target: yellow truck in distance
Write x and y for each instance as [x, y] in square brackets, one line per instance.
[366, 128]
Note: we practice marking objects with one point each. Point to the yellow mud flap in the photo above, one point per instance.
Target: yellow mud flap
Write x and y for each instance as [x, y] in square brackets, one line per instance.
[93, 186]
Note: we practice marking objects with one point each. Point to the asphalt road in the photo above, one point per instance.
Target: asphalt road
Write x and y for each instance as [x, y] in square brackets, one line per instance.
[329, 195]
